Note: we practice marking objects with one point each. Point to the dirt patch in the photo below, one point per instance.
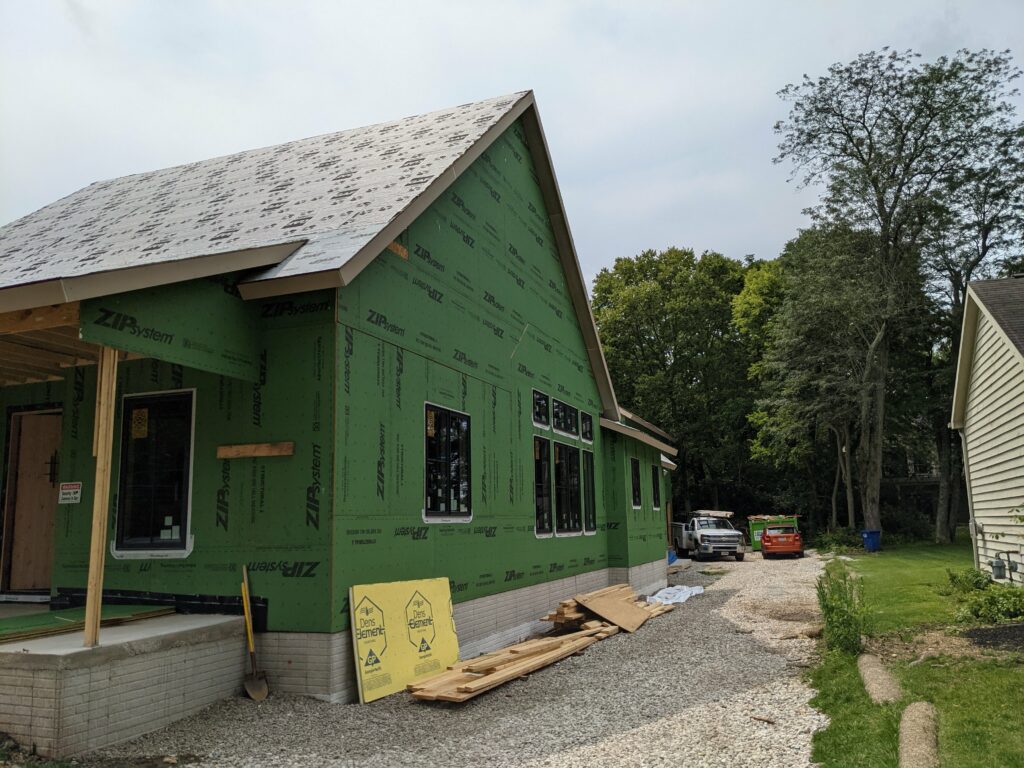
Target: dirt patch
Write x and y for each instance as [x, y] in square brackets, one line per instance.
[936, 643]
[803, 613]
[1007, 637]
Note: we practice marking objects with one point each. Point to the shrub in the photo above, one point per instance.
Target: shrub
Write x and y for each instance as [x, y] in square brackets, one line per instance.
[996, 603]
[839, 541]
[966, 580]
[841, 598]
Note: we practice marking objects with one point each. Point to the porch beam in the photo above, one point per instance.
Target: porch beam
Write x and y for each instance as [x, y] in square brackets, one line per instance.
[103, 437]
[39, 318]
[11, 349]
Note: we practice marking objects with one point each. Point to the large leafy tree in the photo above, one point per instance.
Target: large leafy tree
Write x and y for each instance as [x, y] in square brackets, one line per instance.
[889, 137]
[676, 358]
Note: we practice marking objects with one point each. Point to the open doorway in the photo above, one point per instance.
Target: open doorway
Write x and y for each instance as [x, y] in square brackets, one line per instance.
[30, 501]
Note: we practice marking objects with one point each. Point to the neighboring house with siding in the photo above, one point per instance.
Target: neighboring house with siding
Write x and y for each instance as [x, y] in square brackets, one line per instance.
[988, 410]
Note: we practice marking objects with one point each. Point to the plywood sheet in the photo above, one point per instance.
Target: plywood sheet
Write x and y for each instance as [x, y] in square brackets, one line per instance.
[620, 612]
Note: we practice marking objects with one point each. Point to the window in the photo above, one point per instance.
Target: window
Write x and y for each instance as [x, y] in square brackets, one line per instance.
[156, 471]
[635, 472]
[655, 487]
[541, 416]
[567, 488]
[565, 417]
[587, 427]
[589, 500]
[447, 468]
[542, 484]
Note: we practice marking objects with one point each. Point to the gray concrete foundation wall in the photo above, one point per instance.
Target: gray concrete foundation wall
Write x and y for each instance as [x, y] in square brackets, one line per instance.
[62, 699]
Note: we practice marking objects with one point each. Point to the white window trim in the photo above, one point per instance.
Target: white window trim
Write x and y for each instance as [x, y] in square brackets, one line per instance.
[160, 554]
[431, 519]
[536, 423]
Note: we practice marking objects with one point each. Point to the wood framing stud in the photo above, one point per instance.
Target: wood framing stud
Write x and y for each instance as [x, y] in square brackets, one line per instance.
[40, 318]
[103, 438]
[255, 450]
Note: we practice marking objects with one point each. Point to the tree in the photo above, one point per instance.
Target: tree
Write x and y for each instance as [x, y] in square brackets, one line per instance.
[665, 320]
[812, 373]
[887, 135]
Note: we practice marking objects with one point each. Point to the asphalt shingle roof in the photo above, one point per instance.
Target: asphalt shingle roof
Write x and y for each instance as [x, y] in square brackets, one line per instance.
[337, 191]
[1004, 299]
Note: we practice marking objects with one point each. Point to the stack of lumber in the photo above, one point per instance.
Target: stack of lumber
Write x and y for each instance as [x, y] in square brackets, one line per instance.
[467, 679]
[615, 608]
[618, 605]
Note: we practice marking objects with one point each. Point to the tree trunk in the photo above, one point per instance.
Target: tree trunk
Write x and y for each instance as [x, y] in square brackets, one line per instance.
[957, 490]
[834, 521]
[942, 508]
[872, 437]
[851, 508]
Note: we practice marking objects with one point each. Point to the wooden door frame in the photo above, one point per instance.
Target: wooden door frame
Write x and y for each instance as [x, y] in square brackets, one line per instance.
[10, 457]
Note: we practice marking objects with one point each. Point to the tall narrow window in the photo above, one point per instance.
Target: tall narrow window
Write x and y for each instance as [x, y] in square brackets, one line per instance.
[565, 418]
[567, 489]
[541, 411]
[542, 484]
[655, 486]
[447, 467]
[156, 462]
[589, 500]
[635, 476]
[587, 427]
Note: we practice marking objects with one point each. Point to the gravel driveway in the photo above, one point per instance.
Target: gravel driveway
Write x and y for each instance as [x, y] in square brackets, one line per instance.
[683, 691]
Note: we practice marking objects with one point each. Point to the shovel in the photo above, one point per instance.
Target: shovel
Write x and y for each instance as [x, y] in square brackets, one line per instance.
[255, 681]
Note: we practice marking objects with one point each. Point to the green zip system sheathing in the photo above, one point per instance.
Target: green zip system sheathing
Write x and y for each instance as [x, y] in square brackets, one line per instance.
[470, 311]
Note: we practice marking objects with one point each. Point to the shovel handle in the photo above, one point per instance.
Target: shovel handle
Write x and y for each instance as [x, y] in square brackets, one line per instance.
[247, 610]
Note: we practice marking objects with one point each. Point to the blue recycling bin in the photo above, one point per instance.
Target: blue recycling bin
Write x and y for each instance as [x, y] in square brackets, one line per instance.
[872, 540]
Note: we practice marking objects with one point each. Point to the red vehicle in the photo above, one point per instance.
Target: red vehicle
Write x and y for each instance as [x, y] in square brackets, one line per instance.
[781, 540]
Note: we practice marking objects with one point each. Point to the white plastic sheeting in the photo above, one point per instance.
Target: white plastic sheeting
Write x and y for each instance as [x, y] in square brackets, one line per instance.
[678, 594]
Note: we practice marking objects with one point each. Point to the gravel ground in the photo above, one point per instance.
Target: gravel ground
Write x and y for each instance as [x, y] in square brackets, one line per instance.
[713, 683]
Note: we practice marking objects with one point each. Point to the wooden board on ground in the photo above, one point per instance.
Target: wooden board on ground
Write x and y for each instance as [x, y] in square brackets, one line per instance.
[622, 613]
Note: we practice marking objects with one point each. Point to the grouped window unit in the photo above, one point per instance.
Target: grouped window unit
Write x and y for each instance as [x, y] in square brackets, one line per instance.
[568, 517]
[589, 494]
[154, 487]
[542, 486]
[565, 418]
[587, 427]
[634, 466]
[655, 487]
[447, 464]
[541, 409]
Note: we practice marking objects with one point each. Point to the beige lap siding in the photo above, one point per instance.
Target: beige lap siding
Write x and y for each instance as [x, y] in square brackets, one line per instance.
[994, 432]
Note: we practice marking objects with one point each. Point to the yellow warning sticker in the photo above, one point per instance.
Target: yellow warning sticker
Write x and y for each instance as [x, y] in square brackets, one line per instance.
[140, 423]
[402, 631]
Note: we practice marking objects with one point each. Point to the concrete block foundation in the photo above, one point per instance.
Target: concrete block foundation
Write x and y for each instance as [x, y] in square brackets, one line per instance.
[63, 699]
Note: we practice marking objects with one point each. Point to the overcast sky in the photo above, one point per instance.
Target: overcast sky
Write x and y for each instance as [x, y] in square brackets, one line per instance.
[659, 114]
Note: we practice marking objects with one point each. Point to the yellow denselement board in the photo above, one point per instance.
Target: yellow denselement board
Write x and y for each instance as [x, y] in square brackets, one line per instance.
[402, 631]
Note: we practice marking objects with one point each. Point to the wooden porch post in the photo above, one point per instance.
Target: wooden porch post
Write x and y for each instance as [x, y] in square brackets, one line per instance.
[102, 443]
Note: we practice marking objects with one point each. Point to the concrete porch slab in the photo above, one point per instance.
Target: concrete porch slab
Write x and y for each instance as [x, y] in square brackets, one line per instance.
[63, 699]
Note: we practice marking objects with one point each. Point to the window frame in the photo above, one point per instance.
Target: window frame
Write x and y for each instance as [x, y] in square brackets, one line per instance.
[117, 549]
[585, 415]
[588, 481]
[579, 489]
[447, 517]
[635, 483]
[539, 439]
[533, 409]
[655, 487]
[554, 428]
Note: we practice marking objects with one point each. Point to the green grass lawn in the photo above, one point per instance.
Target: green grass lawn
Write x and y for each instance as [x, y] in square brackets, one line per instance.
[976, 700]
[901, 585]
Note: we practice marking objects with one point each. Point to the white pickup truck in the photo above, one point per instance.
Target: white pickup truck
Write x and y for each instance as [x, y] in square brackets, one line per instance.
[708, 533]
